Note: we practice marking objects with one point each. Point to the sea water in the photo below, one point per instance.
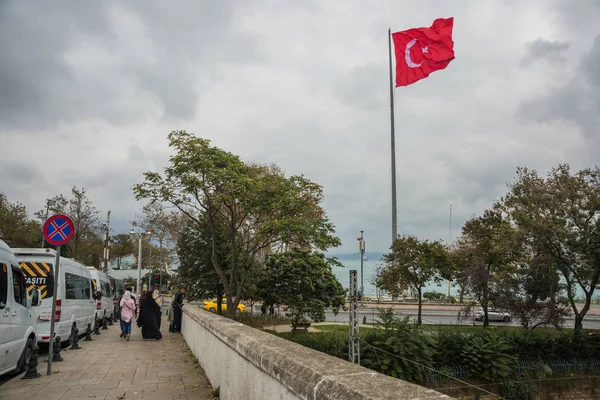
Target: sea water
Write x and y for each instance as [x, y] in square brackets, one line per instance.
[369, 273]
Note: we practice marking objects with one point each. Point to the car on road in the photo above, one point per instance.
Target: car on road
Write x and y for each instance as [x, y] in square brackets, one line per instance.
[494, 314]
[18, 321]
[212, 306]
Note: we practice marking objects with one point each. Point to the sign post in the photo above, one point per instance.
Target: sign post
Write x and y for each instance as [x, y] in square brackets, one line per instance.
[58, 230]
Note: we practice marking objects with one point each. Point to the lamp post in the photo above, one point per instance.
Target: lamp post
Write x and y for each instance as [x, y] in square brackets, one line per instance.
[149, 260]
[139, 278]
[361, 247]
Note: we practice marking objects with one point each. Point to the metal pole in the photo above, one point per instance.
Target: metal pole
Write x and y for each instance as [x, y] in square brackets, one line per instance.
[160, 267]
[450, 243]
[361, 247]
[393, 142]
[353, 332]
[106, 241]
[149, 263]
[55, 296]
[43, 239]
[139, 279]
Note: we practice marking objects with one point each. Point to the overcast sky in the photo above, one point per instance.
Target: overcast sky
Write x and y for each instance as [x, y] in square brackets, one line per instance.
[89, 91]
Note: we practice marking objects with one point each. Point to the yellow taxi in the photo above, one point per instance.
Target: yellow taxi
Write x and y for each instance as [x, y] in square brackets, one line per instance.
[212, 306]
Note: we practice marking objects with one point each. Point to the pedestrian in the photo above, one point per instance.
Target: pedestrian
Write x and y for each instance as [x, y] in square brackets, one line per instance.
[177, 305]
[159, 300]
[127, 289]
[147, 318]
[127, 305]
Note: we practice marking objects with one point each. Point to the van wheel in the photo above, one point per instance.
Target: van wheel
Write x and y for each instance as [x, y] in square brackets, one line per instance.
[26, 356]
[506, 318]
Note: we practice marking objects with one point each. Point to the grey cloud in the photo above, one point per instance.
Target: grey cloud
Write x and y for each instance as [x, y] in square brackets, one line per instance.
[577, 101]
[147, 52]
[544, 49]
[364, 87]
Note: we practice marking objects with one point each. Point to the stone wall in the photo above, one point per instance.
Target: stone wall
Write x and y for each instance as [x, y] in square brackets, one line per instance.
[246, 363]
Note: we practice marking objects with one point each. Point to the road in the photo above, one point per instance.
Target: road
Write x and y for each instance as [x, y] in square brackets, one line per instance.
[442, 317]
[437, 317]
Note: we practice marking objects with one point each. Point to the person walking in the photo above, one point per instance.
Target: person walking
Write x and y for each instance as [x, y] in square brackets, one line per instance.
[127, 305]
[177, 306]
[122, 322]
[159, 300]
[147, 318]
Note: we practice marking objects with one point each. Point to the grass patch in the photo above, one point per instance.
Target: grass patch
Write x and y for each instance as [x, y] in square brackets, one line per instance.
[339, 328]
[259, 321]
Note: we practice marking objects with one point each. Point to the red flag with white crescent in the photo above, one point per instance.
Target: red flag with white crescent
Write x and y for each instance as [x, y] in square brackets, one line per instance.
[421, 51]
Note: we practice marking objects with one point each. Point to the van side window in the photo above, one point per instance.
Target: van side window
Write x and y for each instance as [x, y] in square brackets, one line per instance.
[19, 288]
[3, 285]
[77, 287]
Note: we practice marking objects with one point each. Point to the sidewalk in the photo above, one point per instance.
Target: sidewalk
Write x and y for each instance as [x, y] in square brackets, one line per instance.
[111, 368]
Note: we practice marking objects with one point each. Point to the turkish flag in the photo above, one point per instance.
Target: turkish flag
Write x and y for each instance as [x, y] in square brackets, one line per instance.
[421, 51]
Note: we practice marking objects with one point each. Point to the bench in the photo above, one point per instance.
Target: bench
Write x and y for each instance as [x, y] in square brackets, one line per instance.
[303, 325]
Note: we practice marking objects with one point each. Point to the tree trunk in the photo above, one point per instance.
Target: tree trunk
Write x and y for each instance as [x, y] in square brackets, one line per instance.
[419, 288]
[219, 305]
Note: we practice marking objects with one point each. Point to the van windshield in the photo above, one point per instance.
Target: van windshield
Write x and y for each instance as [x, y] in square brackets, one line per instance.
[40, 274]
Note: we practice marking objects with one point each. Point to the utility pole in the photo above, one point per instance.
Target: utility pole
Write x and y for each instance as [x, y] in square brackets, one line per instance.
[353, 333]
[450, 243]
[47, 207]
[107, 243]
[149, 263]
[361, 248]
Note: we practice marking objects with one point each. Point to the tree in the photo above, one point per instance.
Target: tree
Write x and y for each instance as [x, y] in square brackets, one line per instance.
[164, 226]
[302, 280]
[258, 206]
[560, 216]
[413, 262]
[196, 272]
[488, 251]
[532, 293]
[87, 242]
[121, 247]
[16, 229]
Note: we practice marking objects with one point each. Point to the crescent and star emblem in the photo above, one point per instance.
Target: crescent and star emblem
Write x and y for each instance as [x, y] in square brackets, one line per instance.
[410, 62]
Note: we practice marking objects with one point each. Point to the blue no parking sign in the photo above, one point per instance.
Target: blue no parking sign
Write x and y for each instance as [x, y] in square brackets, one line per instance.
[58, 230]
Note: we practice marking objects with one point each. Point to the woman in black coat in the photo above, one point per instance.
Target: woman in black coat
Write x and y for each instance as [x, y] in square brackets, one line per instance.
[149, 310]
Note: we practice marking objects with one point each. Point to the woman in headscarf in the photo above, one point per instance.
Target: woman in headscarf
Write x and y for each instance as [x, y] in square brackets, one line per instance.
[127, 305]
[147, 319]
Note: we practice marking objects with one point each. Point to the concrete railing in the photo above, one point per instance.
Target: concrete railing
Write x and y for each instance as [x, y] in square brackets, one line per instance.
[246, 363]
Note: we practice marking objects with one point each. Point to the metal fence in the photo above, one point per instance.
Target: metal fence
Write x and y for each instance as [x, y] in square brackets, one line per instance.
[523, 367]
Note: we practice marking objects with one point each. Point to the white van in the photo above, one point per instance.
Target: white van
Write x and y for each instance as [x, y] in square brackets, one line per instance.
[17, 320]
[75, 305]
[104, 304]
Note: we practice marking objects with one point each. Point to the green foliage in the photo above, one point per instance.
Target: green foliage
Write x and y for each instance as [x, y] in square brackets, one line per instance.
[559, 219]
[413, 263]
[434, 296]
[16, 229]
[303, 281]
[260, 321]
[332, 343]
[257, 205]
[517, 390]
[402, 351]
[489, 356]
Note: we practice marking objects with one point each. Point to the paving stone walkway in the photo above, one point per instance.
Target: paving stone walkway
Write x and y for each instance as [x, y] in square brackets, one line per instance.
[111, 368]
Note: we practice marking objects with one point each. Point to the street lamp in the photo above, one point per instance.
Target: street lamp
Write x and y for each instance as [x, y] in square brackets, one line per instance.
[361, 247]
[139, 278]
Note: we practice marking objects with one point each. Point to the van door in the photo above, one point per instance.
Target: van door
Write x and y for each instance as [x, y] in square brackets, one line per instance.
[19, 317]
[4, 313]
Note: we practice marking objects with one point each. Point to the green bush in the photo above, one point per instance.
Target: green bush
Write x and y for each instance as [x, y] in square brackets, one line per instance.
[402, 351]
[489, 357]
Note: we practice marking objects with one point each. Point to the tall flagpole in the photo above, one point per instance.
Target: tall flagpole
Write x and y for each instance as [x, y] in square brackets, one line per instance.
[394, 213]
